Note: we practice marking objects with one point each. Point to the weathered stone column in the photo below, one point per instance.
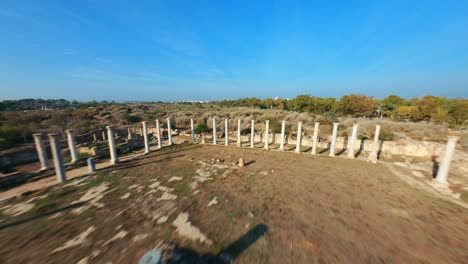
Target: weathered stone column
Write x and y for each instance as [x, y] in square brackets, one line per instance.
[299, 137]
[373, 155]
[57, 157]
[283, 128]
[352, 142]
[267, 128]
[226, 132]
[112, 148]
[333, 142]
[214, 131]
[72, 146]
[239, 140]
[91, 165]
[145, 137]
[192, 130]
[315, 138]
[252, 133]
[169, 131]
[443, 171]
[158, 132]
[103, 135]
[94, 137]
[129, 133]
[41, 151]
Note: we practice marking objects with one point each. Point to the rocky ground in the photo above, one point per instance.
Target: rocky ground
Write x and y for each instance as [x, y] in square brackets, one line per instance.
[278, 208]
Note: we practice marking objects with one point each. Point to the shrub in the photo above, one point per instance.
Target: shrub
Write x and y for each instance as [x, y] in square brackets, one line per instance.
[202, 128]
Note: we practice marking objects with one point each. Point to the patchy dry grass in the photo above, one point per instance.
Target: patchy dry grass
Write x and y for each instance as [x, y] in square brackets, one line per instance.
[316, 209]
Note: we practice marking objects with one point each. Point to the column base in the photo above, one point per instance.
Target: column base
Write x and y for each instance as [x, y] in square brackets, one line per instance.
[372, 158]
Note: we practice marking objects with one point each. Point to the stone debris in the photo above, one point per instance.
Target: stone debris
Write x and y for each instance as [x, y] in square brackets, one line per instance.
[167, 197]
[56, 215]
[18, 209]
[162, 219]
[83, 261]
[263, 173]
[196, 192]
[92, 197]
[418, 174]
[119, 235]
[125, 196]
[241, 162]
[140, 237]
[175, 178]
[251, 215]
[165, 189]
[154, 185]
[185, 228]
[79, 240]
[133, 186]
[213, 202]
[77, 182]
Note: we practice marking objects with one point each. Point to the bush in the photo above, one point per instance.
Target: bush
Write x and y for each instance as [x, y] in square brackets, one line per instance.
[202, 128]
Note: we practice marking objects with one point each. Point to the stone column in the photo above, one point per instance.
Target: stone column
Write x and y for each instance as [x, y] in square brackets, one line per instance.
[373, 155]
[192, 130]
[299, 137]
[112, 148]
[145, 137]
[252, 133]
[41, 151]
[442, 173]
[169, 131]
[283, 128]
[333, 143]
[315, 138]
[94, 137]
[72, 146]
[352, 142]
[239, 140]
[226, 132]
[129, 133]
[214, 131]
[267, 128]
[57, 156]
[158, 131]
[91, 165]
[103, 135]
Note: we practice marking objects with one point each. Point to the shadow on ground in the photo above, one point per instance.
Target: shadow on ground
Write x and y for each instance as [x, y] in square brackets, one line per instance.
[169, 254]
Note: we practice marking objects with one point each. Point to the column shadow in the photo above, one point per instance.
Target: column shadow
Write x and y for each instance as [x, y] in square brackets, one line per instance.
[435, 166]
[343, 149]
[361, 148]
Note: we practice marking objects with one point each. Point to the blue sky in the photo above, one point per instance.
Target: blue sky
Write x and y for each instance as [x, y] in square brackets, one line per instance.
[209, 50]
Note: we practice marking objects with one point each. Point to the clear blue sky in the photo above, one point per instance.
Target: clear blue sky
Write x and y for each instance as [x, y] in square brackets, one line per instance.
[209, 50]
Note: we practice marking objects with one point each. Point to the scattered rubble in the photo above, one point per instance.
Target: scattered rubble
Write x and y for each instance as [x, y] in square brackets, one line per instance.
[185, 228]
[79, 240]
[213, 202]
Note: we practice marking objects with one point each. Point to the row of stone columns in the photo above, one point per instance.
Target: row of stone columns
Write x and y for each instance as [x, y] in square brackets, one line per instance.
[351, 144]
[60, 171]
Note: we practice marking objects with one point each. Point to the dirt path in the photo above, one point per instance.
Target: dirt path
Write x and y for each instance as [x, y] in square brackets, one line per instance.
[313, 209]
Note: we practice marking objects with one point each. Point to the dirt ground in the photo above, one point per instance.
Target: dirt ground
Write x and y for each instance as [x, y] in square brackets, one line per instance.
[279, 208]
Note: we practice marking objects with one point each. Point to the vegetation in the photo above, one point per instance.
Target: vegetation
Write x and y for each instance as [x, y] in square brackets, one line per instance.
[21, 118]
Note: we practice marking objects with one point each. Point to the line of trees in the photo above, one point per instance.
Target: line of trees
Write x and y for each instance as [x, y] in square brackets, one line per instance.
[427, 108]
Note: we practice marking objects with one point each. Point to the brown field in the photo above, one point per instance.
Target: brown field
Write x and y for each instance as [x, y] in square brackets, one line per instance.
[279, 208]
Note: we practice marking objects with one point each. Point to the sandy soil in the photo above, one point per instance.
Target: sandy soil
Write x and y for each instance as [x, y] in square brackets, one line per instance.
[309, 209]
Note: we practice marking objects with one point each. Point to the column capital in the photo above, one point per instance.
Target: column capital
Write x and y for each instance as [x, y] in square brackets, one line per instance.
[37, 135]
